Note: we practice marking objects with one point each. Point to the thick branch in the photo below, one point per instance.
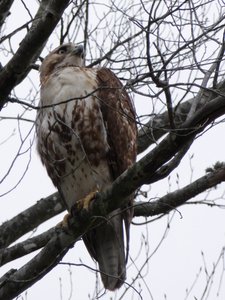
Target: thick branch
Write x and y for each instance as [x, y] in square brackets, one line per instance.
[17, 68]
[143, 172]
[116, 196]
[159, 125]
[162, 205]
[61, 241]
[39, 266]
[51, 206]
[25, 247]
[29, 219]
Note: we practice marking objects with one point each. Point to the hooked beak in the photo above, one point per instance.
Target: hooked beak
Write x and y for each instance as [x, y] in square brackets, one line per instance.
[79, 50]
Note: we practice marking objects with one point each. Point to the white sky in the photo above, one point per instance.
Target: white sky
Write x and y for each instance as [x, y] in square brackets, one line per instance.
[177, 262]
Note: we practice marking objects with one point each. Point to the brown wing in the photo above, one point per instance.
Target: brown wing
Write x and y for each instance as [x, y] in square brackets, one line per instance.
[119, 117]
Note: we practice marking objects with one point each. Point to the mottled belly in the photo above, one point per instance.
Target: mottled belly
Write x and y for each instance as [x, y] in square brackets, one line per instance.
[74, 149]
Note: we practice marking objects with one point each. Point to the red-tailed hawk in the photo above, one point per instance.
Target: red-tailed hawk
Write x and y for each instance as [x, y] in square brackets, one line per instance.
[86, 137]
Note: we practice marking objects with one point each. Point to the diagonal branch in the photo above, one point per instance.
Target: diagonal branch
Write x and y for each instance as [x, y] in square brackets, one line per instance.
[179, 197]
[52, 205]
[18, 67]
[162, 205]
[37, 267]
[29, 219]
[61, 241]
[159, 125]
[143, 172]
[116, 196]
[25, 247]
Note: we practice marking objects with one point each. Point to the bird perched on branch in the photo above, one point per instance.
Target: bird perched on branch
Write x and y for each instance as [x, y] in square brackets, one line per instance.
[86, 137]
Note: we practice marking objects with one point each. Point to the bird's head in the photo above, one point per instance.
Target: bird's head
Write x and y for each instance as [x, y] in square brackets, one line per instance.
[64, 55]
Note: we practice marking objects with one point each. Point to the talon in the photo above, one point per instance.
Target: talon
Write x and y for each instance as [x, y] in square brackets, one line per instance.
[84, 203]
[64, 224]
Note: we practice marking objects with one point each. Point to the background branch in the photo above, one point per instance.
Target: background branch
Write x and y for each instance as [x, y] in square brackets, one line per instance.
[159, 125]
[179, 197]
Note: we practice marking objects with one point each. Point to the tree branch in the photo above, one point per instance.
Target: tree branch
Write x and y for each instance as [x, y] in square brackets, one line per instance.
[179, 197]
[25, 247]
[29, 219]
[116, 196]
[18, 67]
[159, 125]
[5, 6]
[37, 267]
[52, 205]
[61, 241]
[162, 205]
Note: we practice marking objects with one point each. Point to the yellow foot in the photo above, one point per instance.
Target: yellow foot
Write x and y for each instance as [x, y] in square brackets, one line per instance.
[84, 203]
[64, 224]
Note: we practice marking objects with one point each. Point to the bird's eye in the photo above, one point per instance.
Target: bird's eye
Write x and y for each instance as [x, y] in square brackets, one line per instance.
[62, 51]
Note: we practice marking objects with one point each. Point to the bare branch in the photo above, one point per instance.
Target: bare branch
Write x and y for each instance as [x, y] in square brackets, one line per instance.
[30, 48]
[25, 247]
[218, 62]
[5, 6]
[179, 197]
[51, 206]
[61, 241]
[29, 219]
[159, 125]
[39, 266]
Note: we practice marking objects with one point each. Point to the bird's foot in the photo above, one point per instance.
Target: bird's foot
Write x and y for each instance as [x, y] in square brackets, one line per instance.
[64, 224]
[85, 202]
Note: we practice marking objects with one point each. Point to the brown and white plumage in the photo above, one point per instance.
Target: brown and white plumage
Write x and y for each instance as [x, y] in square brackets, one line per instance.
[86, 137]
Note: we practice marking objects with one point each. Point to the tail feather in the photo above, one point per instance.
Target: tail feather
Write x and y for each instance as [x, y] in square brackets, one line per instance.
[106, 244]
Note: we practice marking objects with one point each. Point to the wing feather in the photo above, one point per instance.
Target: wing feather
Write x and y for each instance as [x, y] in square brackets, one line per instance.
[119, 117]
